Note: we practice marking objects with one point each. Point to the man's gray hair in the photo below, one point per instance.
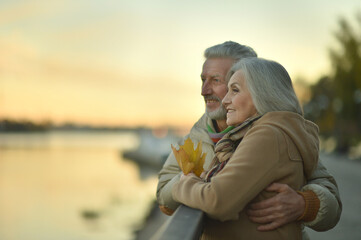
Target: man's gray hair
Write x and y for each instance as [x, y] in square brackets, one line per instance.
[229, 49]
[269, 85]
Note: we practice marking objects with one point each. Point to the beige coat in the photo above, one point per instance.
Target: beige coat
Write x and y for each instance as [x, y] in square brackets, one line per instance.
[279, 147]
[320, 182]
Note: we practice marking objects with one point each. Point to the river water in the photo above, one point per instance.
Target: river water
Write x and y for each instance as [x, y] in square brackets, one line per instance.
[71, 185]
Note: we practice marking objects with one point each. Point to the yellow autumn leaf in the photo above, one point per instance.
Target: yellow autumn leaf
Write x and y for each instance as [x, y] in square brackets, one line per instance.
[198, 168]
[190, 160]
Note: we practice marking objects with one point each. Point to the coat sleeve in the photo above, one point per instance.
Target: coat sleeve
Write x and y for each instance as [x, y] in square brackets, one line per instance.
[168, 175]
[171, 172]
[324, 185]
[245, 175]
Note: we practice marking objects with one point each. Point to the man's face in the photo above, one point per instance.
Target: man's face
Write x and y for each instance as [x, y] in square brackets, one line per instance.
[214, 86]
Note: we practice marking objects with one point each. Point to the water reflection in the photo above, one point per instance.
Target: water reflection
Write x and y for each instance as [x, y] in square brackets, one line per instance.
[71, 186]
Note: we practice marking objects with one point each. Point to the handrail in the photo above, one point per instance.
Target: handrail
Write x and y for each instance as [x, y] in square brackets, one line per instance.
[185, 224]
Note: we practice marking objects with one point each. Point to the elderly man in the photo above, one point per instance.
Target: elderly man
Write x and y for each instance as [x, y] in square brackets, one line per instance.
[317, 204]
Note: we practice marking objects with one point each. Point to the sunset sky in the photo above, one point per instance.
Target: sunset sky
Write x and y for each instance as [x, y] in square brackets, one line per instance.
[138, 62]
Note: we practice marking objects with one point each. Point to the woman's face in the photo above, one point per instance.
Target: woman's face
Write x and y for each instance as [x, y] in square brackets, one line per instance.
[238, 100]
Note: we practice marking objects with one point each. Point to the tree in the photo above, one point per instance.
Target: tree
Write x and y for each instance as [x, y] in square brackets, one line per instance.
[336, 100]
[320, 108]
[347, 85]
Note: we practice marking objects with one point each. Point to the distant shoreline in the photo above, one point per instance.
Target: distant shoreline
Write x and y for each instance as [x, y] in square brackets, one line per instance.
[25, 126]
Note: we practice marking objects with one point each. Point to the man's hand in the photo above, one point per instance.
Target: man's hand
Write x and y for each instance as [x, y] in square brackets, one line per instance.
[283, 208]
[166, 210]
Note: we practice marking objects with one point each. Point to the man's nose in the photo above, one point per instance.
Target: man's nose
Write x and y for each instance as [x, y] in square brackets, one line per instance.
[206, 88]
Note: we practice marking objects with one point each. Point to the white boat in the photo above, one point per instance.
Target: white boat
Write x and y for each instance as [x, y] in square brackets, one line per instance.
[154, 147]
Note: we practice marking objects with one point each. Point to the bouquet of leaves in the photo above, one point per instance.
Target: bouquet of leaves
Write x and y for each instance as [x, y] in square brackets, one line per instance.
[190, 160]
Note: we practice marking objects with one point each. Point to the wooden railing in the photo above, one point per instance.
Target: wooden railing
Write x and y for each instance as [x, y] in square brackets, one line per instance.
[185, 224]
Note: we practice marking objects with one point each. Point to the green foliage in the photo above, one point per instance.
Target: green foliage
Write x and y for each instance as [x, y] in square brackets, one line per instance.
[320, 109]
[335, 103]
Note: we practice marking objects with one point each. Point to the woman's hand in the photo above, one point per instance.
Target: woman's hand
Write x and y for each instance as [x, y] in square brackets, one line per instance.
[191, 174]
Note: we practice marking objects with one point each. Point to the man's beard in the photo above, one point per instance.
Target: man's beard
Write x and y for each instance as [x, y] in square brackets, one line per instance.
[220, 113]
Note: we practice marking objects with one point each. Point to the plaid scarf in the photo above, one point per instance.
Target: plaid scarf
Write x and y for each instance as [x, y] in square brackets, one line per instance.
[226, 146]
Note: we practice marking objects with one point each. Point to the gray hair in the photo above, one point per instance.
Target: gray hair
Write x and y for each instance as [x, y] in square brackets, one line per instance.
[229, 49]
[269, 84]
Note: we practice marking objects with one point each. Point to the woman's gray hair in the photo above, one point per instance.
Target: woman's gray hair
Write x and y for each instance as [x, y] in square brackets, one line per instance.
[269, 85]
[229, 49]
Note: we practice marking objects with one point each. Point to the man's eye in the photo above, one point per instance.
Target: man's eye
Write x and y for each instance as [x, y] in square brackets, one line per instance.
[216, 80]
[235, 90]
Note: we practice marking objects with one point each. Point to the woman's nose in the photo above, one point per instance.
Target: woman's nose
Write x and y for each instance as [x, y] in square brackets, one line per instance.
[226, 101]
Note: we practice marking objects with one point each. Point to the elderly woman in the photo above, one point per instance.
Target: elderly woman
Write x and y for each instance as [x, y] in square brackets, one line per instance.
[271, 142]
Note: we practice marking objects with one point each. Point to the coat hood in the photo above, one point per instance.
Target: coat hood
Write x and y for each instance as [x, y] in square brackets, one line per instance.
[302, 132]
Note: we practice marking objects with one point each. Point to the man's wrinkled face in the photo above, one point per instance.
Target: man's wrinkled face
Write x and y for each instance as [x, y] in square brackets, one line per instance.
[214, 86]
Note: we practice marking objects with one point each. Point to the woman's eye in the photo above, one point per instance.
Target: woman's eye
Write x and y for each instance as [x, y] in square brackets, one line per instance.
[235, 90]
